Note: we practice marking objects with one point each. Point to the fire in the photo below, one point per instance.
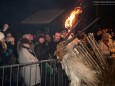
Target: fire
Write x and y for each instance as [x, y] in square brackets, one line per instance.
[70, 20]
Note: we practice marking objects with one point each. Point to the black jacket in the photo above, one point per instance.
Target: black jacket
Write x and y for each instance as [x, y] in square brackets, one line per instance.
[41, 51]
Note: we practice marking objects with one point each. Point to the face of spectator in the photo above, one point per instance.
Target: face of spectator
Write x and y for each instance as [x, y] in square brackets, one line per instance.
[106, 30]
[106, 37]
[41, 39]
[112, 34]
[84, 40]
[48, 38]
[13, 42]
[99, 32]
[9, 35]
[57, 36]
[64, 34]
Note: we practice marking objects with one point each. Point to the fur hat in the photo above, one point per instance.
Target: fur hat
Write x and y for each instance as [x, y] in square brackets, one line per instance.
[1, 35]
[25, 41]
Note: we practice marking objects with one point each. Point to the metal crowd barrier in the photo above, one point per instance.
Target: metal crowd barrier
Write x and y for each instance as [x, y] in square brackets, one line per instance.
[51, 74]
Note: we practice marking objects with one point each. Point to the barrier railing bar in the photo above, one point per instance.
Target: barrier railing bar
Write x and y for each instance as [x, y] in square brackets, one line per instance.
[26, 64]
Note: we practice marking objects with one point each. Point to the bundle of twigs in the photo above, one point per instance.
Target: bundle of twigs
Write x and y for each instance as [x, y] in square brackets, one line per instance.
[97, 60]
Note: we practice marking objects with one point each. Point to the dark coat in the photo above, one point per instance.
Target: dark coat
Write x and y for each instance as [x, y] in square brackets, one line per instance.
[4, 56]
[41, 51]
[52, 47]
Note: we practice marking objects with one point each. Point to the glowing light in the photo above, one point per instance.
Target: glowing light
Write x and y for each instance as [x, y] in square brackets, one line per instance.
[70, 20]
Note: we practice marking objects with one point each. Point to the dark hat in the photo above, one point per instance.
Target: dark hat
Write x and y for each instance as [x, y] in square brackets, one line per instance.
[41, 35]
[25, 41]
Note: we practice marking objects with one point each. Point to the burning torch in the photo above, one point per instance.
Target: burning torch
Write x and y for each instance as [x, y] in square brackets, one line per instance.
[70, 21]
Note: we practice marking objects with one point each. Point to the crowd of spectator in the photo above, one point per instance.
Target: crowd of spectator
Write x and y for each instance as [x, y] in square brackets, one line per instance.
[31, 48]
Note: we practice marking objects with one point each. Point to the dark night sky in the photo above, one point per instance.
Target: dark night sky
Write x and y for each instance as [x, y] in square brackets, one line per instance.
[14, 11]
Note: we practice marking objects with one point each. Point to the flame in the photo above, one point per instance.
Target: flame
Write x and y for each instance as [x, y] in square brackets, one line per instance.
[69, 21]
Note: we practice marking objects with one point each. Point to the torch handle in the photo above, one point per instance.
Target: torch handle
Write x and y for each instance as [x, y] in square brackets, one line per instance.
[71, 30]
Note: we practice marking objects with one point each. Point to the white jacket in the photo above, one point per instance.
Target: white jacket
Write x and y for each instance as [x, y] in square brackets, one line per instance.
[30, 73]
